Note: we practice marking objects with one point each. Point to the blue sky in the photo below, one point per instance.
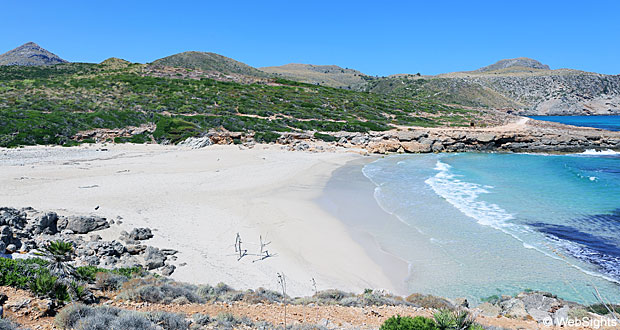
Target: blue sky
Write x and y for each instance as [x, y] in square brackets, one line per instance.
[375, 37]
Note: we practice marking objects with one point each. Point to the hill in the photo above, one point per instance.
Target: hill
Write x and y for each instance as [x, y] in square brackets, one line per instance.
[208, 62]
[522, 86]
[523, 63]
[30, 54]
[324, 75]
[52, 104]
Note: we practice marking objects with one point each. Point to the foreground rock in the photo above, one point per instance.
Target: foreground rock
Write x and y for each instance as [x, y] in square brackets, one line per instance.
[543, 307]
[26, 230]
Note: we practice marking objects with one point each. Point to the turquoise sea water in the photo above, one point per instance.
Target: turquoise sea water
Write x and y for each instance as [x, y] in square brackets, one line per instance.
[611, 123]
[476, 225]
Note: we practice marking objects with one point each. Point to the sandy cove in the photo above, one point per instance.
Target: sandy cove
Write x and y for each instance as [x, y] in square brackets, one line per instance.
[197, 200]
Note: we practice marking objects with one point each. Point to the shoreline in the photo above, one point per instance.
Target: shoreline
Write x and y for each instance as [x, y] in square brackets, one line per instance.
[349, 196]
[196, 200]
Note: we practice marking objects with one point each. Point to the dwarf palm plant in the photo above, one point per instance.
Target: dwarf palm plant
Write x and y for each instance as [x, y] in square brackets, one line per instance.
[59, 254]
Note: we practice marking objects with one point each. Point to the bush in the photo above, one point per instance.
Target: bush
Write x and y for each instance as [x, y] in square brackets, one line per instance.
[109, 281]
[330, 295]
[266, 137]
[9, 325]
[325, 137]
[168, 321]
[201, 319]
[155, 290]
[82, 317]
[429, 301]
[175, 130]
[408, 323]
[601, 309]
[89, 273]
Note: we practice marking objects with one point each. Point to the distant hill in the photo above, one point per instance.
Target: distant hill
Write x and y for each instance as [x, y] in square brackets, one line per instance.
[208, 62]
[521, 62]
[326, 75]
[522, 85]
[30, 54]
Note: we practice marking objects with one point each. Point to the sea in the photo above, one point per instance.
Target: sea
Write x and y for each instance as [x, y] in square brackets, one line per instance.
[611, 123]
[478, 225]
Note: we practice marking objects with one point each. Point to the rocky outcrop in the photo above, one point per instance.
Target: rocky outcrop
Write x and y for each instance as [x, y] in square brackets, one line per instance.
[532, 139]
[542, 307]
[26, 230]
[82, 224]
[568, 93]
[532, 136]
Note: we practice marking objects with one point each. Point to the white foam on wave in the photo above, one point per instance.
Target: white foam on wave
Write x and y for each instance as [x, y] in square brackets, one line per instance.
[593, 152]
[464, 196]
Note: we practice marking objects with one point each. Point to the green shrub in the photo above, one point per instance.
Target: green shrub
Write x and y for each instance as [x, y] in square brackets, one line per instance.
[325, 137]
[408, 323]
[175, 130]
[266, 137]
[602, 309]
[89, 273]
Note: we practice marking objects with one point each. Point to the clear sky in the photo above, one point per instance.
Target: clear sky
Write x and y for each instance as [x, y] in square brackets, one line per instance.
[375, 37]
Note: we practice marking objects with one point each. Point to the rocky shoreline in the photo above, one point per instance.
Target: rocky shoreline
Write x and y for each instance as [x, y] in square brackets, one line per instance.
[24, 232]
[527, 135]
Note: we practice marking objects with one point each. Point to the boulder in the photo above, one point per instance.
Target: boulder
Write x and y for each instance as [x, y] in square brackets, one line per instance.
[134, 249]
[46, 223]
[153, 258]
[488, 309]
[485, 137]
[411, 135]
[6, 234]
[12, 217]
[140, 234]
[196, 142]
[168, 270]
[416, 147]
[383, 146]
[514, 308]
[11, 248]
[82, 224]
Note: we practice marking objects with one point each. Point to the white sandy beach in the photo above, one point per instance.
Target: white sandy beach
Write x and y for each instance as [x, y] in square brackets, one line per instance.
[197, 201]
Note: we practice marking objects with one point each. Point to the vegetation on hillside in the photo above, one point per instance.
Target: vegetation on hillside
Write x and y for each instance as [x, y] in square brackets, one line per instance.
[208, 62]
[49, 105]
